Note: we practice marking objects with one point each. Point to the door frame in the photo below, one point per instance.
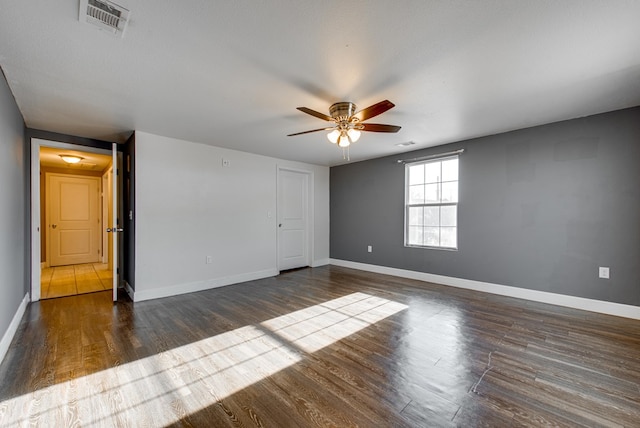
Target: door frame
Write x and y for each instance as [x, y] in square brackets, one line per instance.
[309, 212]
[36, 143]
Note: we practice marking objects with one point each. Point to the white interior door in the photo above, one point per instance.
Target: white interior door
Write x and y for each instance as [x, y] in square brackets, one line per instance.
[74, 219]
[293, 219]
[114, 227]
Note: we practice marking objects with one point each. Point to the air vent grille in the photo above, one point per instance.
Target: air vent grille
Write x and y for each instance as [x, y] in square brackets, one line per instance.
[105, 15]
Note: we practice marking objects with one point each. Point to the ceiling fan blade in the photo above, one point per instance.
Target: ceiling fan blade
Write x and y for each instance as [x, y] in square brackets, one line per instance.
[315, 113]
[307, 132]
[378, 127]
[374, 110]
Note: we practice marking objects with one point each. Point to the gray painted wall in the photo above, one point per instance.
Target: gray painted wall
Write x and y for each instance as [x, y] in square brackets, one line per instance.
[540, 208]
[13, 286]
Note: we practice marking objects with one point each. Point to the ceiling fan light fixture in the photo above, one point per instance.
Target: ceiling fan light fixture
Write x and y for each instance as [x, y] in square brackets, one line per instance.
[72, 159]
[334, 136]
[344, 140]
[353, 134]
[348, 123]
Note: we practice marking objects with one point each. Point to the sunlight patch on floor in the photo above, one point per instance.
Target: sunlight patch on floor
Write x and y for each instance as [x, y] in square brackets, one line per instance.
[318, 326]
[163, 388]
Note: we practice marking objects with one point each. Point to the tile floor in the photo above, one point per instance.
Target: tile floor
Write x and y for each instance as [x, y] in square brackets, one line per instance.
[70, 280]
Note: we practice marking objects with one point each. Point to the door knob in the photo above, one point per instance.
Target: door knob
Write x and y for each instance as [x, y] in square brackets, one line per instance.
[53, 226]
[115, 229]
[280, 225]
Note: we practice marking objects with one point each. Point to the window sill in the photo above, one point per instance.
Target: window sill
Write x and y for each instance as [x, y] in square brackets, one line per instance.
[427, 247]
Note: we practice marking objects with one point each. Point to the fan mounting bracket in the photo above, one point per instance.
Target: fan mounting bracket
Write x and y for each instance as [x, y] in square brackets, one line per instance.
[342, 111]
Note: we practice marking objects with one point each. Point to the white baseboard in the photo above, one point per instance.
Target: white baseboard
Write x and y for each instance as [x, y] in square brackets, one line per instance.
[318, 263]
[13, 327]
[609, 308]
[174, 290]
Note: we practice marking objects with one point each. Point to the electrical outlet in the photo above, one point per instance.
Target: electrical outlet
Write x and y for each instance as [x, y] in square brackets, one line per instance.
[209, 260]
[369, 249]
[603, 272]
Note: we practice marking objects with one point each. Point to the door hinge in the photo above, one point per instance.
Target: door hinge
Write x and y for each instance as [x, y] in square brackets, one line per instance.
[117, 270]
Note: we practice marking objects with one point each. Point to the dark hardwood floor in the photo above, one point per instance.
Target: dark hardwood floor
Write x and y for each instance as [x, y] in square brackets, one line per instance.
[326, 346]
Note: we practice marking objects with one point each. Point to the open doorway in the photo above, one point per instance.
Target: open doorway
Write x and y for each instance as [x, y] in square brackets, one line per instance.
[75, 212]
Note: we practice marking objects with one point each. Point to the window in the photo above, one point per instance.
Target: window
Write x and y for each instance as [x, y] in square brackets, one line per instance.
[431, 203]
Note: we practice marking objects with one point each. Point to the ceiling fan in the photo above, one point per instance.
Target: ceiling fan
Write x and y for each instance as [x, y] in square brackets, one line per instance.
[348, 124]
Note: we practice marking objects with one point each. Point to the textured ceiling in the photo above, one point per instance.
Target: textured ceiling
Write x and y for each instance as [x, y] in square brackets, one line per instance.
[231, 73]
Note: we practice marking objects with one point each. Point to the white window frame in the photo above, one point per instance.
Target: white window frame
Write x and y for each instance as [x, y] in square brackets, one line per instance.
[440, 204]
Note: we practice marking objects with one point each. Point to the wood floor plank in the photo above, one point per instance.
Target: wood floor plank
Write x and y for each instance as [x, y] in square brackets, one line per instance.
[315, 347]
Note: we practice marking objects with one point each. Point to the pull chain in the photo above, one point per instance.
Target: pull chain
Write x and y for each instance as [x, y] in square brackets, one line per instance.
[345, 153]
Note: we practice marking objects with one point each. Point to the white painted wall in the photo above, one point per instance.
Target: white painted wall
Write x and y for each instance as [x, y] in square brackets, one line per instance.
[188, 207]
[12, 216]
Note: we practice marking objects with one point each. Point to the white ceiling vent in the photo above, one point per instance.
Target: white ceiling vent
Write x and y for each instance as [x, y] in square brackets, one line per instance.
[105, 15]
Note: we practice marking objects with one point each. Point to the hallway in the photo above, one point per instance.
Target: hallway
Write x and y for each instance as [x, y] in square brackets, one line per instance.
[61, 281]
